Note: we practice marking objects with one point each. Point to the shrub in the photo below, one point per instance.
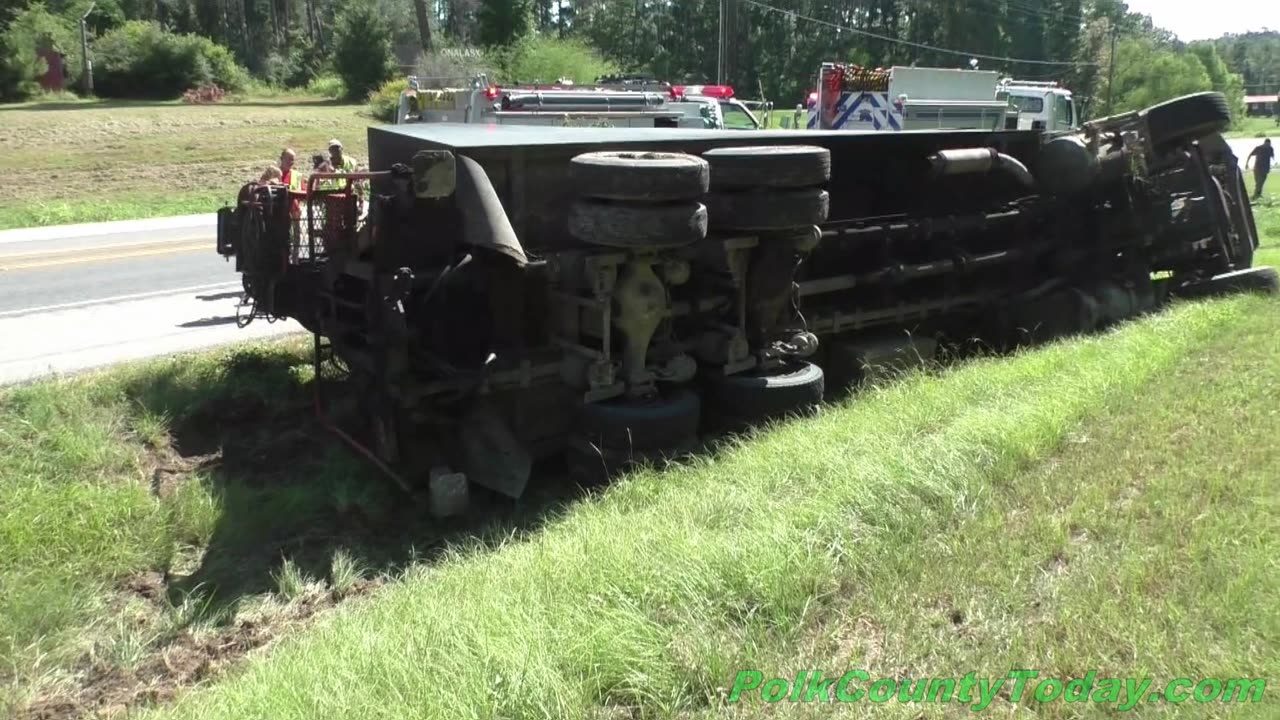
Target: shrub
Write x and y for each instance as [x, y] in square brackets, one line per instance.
[384, 101]
[140, 59]
[329, 86]
[20, 67]
[545, 59]
[362, 53]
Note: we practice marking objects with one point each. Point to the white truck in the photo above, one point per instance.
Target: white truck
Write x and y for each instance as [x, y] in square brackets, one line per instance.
[564, 104]
[1042, 105]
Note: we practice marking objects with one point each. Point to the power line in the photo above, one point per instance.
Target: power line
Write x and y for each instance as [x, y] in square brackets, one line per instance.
[1049, 14]
[1012, 5]
[921, 46]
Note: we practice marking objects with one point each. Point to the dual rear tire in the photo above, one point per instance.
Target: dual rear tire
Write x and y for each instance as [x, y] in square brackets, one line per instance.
[615, 435]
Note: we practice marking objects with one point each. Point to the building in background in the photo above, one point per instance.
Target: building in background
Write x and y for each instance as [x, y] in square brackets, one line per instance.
[1261, 105]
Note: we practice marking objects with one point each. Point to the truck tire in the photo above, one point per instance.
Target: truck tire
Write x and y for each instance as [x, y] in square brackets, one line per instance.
[667, 420]
[753, 210]
[644, 176]
[735, 402]
[770, 166]
[633, 226]
[1258, 279]
[611, 436]
[1187, 118]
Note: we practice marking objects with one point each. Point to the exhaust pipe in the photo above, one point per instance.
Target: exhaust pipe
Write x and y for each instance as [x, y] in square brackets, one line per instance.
[977, 161]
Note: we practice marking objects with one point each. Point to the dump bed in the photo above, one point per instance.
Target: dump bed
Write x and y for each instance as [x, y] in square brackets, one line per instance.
[872, 174]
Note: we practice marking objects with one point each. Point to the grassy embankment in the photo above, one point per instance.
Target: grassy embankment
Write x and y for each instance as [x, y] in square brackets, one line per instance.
[88, 161]
[1098, 504]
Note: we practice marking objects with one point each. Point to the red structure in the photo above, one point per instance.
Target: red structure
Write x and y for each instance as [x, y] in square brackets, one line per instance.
[55, 78]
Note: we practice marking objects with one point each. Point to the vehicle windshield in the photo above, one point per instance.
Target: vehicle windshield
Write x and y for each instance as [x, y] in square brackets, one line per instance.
[737, 117]
[1064, 111]
[1029, 104]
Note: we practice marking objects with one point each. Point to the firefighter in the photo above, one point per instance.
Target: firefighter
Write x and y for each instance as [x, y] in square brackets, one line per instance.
[288, 177]
[340, 161]
[344, 163]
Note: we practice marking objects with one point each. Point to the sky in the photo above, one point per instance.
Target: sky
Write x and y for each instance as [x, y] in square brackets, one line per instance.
[1205, 19]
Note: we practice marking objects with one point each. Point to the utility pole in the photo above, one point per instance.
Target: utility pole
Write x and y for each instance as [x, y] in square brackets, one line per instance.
[1111, 74]
[722, 60]
[86, 67]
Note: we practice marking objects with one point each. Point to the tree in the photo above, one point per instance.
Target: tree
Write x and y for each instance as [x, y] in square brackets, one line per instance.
[502, 22]
[1148, 73]
[1222, 79]
[424, 24]
[362, 50]
[20, 66]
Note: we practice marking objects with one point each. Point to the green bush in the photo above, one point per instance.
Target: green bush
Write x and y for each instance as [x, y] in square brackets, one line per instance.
[384, 101]
[545, 59]
[20, 67]
[141, 60]
[329, 86]
[362, 53]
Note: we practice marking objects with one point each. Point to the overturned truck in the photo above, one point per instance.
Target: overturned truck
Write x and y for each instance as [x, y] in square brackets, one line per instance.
[613, 294]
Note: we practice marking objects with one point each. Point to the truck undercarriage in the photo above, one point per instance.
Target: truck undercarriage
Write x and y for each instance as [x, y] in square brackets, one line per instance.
[615, 294]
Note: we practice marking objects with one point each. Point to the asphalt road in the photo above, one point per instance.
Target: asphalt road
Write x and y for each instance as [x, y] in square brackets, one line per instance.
[82, 297]
[67, 282]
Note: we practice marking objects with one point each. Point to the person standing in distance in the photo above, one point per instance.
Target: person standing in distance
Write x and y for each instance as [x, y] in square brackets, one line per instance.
[1264, 154]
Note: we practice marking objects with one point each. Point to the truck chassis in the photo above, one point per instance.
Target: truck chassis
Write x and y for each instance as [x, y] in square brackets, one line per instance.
[615, 294]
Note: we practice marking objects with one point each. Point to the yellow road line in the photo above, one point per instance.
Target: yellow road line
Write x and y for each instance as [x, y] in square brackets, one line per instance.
[75, 257]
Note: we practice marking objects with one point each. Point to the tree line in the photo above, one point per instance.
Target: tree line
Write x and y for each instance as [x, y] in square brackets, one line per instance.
[1113, 59]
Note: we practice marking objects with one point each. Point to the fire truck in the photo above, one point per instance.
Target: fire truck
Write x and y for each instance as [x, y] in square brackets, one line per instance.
[850, 97]
[604, 104]
[910, 98]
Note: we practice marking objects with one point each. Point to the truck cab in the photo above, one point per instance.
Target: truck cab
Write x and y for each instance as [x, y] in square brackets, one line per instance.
[1042, 105]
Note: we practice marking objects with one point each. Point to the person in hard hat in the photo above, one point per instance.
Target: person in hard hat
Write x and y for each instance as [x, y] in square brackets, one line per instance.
[344, 163]
[341, 162]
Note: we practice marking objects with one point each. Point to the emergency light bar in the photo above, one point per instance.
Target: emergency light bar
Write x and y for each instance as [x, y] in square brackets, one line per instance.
[723, 92]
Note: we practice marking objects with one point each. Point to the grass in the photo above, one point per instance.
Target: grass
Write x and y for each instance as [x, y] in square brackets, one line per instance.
[88, 161]
[651, 598]
[1266, 210]
[1255, 127]
[106, 490]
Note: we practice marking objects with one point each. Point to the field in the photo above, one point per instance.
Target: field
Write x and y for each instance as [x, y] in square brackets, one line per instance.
[1106, 503]
[1256, 127]
[112, 160]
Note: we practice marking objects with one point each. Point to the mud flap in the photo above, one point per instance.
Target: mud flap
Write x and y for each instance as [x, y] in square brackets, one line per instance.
[492, 456]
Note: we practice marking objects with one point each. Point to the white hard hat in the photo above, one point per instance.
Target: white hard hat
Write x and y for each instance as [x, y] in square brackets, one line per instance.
[335, 143]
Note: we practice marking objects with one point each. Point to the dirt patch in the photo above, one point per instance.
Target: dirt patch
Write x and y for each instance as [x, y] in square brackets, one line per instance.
[185, 661]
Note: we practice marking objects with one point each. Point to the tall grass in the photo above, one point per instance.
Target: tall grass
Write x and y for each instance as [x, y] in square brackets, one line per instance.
[650, 597]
